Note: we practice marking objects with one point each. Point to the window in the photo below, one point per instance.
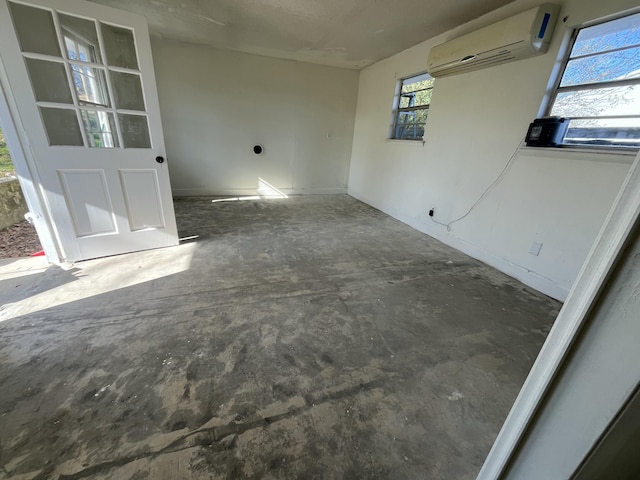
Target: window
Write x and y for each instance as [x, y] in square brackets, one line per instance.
[412, 107]
[91, 88]
[599, 90]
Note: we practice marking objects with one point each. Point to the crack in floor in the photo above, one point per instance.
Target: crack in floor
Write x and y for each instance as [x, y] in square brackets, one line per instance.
[214, 436]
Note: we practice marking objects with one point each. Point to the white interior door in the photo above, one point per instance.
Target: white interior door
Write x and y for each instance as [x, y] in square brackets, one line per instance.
[82, 82]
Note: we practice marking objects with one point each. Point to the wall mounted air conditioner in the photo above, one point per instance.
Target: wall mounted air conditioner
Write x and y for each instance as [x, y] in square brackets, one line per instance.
[521, 36]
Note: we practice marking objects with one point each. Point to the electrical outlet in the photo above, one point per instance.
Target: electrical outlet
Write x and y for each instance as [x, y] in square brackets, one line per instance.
[535, 248]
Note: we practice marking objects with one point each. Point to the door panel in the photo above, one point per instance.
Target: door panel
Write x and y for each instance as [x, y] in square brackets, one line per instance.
[87, 198]
[81, 76]
[138, 185]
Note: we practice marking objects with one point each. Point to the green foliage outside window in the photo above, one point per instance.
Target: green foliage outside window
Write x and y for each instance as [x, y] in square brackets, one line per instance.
[6, 166]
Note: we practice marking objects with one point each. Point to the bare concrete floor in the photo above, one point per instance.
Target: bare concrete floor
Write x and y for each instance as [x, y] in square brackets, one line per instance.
[302, 338]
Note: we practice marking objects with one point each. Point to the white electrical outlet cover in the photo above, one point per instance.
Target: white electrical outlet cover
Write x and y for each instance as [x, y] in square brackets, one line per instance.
[535, 248]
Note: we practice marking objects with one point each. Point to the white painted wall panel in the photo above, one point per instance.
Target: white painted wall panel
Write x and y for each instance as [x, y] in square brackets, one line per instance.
[217, 104]
[599, 375]
[475, 124]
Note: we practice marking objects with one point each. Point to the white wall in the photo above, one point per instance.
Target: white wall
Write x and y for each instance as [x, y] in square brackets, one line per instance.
[217, 104]
[597, 378]
[475, 124]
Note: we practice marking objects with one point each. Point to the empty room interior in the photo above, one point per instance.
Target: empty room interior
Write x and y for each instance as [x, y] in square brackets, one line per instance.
[335, 239]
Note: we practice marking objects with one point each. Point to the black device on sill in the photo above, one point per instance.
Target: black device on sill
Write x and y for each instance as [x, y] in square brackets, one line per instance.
[546, 132]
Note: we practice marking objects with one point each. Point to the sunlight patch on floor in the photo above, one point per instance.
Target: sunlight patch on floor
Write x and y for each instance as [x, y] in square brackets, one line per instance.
[265, 191]
[236, 199]
[92, 277]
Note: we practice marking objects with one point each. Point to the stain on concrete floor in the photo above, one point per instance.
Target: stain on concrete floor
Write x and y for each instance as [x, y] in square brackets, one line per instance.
[302, 338]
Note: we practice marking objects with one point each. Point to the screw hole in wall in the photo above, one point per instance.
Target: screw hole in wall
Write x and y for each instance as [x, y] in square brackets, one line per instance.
[258, 149]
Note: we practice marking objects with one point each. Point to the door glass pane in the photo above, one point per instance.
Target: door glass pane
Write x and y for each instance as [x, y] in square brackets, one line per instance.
[100, 129]
[62, 126]
[80, 39]
[119, 47]
[135, 131]
[127, 91]
[90, 84]
[35, 29]
[49, 81]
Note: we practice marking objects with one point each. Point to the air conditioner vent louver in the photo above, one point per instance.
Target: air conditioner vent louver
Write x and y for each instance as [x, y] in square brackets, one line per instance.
[490, 62]
[522, 36]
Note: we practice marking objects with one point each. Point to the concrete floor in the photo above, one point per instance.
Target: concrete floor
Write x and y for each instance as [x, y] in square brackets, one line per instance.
[309, 337]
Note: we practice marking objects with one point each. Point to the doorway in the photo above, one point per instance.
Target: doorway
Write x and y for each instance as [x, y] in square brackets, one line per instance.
[18, 237]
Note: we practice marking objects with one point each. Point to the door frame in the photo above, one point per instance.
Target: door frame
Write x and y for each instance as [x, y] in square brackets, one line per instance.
[604, 256]
[18, 143]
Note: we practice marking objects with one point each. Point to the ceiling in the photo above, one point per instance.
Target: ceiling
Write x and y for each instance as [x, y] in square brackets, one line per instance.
[340, 33]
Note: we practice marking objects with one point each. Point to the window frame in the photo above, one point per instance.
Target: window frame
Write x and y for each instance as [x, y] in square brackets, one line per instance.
[398, 110]
[563, 61]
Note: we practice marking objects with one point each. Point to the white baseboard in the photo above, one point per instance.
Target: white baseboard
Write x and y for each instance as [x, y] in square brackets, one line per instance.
[528, 277]
[318, 191]
[202, 192]
[524, 275]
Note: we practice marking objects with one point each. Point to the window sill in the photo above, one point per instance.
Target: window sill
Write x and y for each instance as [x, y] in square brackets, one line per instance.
[593, 154]
[405, 141]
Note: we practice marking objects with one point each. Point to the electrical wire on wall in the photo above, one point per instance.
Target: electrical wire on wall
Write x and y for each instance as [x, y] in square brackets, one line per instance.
[488, 189]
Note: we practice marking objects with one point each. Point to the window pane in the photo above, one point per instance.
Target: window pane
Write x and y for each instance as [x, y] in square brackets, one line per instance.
[49, 81]
[127, 90]
[62, 126]
[607, 36]
[407, 100]
[100, 129]
[409, 131]
[119, 47]
[90, 84]
[421, 115]
[423, 97]
[413, 86]
[603, 68]
[624, 100]
[413, 116]
[35, 29]
[81, 39]
[418, 82]
[411, 124]
[620, 132]
[415, 99]
[135, 131]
